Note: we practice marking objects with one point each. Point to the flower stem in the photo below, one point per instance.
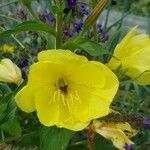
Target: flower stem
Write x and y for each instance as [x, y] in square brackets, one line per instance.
[59, 25]
[90, 138]
[95, 32]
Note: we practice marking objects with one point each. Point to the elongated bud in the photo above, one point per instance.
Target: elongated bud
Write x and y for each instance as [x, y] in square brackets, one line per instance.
[9, 72]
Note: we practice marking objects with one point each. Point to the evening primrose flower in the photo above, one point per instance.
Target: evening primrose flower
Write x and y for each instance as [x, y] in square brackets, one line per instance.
[118, 133]
[9, 72]
[67, 90]
[133, 54]
[8, 48]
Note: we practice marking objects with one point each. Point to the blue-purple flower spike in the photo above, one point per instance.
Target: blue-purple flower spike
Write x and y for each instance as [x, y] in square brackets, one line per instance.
[71, 3]
[99, 28]
[47, 17]
[78, 26]
[105, 38]
[147, 122]
[24, 63]
[84, 9]
[129, 147]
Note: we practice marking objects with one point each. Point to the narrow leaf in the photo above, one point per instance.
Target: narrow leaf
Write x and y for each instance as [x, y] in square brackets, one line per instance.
[90, 46]
[29, 26]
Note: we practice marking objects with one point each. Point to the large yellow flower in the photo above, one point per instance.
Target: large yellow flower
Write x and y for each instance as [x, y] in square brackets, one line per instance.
[67, 90]
[133, 54]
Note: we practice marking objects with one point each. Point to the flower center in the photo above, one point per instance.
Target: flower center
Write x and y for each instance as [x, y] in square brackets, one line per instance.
[61, 84]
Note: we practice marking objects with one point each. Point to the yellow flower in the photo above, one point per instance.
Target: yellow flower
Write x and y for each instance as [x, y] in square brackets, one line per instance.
[133, 54]
[8, 48]
[118, 133]
[9, 72]
[67, 90]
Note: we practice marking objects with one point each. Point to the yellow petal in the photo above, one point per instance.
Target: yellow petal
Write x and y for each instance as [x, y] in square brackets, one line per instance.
[60, 56]
[125, 127]
[118, 52]
[44, 73]
[117, 136]
[137, 64]
[133, 54]
[118, 133]
[25, 99]
[92, 89]
[51, 110]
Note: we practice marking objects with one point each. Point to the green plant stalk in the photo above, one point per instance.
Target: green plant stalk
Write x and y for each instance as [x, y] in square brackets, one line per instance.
[3, 5]
[107, 15]
[22, 46]
[32, 13]
[10, 18]
[12, 35]
[95, 32]
[59, 26]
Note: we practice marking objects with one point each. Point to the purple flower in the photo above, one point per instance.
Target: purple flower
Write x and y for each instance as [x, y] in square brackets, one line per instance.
[67, 33]
[71, 3]
[84, 9]
[46, 17]
[100, 28]
[24, 63]
[49, 18]
[105, 38]
[42, 17]
[147, 122]
[129, 147]
[78, 26]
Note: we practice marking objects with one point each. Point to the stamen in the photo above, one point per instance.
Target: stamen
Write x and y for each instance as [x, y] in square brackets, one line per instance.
[71, 98]
[77, 97]
[63, 99]
[54, 96]
[67, 102]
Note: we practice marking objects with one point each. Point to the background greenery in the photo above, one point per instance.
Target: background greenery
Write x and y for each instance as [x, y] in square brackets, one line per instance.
[24, 130]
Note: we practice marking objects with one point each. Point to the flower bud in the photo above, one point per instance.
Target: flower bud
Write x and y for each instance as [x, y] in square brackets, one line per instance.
[9, 72]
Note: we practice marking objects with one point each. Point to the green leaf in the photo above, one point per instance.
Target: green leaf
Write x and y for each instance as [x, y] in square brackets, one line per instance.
[9, 112]
[29, 26]
[114, 41]
[91, 47]
[100, 143]
[53, 138]
[12, 127]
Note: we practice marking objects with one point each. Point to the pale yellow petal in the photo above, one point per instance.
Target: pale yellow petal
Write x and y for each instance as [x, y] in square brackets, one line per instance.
[118, 52]
[94, 90]
[60, 56]
[25, 99]
[44, 73]
[117, 136]
[52, 111]
[137, 64]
